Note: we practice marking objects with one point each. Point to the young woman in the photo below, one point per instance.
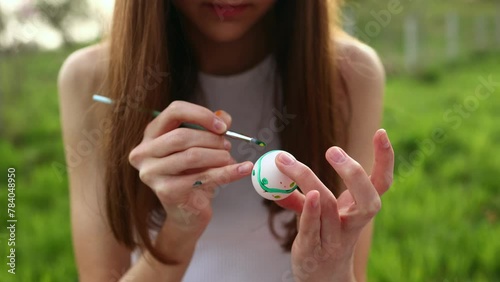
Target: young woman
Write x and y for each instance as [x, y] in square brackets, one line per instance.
[152, 201]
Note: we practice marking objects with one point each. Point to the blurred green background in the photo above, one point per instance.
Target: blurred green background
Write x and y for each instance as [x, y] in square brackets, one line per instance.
[440, 220]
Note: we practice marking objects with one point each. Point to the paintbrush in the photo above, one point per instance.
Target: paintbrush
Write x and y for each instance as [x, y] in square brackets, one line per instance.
[106, 100]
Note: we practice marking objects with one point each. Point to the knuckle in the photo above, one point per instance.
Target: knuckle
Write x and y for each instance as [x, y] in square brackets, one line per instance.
[223, 177]
[372, 209]
[226, 156]
[175, 106]
[220, 140]
[354, 171]
[145, 175]
[303, 171]
[192, 156]
[134, 157]
[175, 138]
[375, 206]
[172, 111]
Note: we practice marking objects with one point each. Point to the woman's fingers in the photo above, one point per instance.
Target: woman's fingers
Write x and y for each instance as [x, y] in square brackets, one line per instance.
[178, 112]
[310, 222]
[225, 117]
[181, 139]
[190, 159]
[294, 202]
[330, 223]
[383, 165]
[318, 221]
[215, 177]
[355, 179]
[172, 188]
[302, 175]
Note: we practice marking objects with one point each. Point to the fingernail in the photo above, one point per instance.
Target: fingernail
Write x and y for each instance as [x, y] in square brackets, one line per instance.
[245, 168]
[219, 125]
[315, 202]
[338, 155]
[227, 145]
[286, 159]
[218, 113]
[385, 140]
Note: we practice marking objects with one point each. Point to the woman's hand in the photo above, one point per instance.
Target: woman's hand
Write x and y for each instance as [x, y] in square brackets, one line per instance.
[184, 166]
[329, 227]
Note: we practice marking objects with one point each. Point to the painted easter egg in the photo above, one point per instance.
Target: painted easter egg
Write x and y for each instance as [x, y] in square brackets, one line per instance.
[268, 180]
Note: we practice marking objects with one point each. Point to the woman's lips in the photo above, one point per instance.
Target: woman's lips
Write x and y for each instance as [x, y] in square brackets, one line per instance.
[224, 11]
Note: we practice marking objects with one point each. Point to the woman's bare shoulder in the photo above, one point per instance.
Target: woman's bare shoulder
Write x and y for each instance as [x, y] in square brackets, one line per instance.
[357, 60]
[85, 69]
[82, 74]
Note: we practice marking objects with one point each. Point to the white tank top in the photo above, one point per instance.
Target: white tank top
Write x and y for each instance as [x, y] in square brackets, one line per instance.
[237, 244]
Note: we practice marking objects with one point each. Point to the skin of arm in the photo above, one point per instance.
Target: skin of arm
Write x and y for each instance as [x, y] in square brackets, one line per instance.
[364, 77]
[99, 257]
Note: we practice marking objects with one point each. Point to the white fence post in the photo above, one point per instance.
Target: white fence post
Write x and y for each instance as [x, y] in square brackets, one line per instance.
[411, 42]
[481, 37]
[497, 27]
[452, 36]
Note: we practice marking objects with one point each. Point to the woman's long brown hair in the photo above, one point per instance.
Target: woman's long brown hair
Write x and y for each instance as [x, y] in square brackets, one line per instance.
[151, 65]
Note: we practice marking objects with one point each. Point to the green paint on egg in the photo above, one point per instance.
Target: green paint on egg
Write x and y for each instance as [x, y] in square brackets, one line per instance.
[292, 184]
[265, 181]
[277, 196]
[253, 172]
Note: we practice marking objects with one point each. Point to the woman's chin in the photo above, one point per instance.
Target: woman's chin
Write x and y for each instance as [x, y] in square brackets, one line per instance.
[224, 35]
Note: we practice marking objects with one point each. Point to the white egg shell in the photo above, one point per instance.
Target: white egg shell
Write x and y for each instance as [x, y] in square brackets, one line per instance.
[268, 180]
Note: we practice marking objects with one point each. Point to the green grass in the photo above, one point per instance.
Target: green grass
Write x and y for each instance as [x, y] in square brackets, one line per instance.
[31, 143]
[439, 221]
